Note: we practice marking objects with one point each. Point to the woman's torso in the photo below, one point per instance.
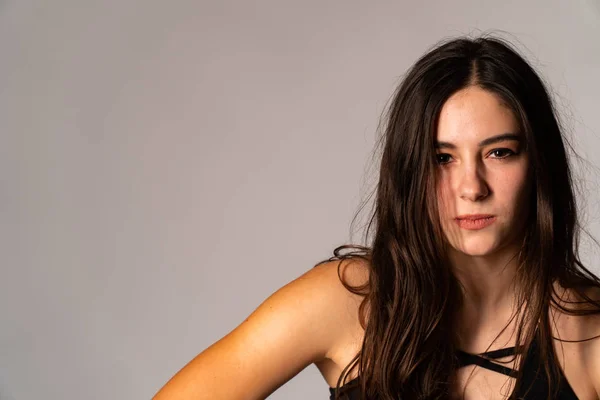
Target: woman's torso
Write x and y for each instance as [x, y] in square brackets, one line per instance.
[477, 382]
[535, 381]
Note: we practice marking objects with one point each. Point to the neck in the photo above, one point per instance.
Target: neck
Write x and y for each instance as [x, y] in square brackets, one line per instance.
[489, 294]
[488, 281]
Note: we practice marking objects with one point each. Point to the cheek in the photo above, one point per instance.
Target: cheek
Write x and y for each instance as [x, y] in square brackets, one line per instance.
[445, 199]
[513, 188]
[522, 198]
[447, 207]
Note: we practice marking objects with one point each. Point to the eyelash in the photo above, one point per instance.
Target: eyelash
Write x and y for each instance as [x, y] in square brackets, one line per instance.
[509, 151]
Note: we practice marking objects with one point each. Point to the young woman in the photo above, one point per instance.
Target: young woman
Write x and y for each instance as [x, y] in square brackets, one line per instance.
[471, 286]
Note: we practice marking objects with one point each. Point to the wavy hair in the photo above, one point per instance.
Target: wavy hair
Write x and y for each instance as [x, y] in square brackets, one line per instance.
[408, 351]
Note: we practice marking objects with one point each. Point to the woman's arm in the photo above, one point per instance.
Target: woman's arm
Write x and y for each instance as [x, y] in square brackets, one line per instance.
[294, 327]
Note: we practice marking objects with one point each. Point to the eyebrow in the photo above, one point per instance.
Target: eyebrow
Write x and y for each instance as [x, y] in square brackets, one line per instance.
[491, 140]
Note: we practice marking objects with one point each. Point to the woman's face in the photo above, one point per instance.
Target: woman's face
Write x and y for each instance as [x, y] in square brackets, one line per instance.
[482, 172]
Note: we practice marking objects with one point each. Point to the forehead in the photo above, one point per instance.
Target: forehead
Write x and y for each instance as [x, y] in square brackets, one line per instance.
[472, 114]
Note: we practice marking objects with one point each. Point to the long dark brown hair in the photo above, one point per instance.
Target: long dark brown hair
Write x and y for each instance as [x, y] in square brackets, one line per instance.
[408, 351]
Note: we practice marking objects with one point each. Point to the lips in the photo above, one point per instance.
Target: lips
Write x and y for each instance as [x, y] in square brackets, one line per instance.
[474, 216]
[475, 221]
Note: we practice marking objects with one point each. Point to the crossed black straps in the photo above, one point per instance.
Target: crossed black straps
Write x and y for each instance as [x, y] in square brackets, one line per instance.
[483, 360]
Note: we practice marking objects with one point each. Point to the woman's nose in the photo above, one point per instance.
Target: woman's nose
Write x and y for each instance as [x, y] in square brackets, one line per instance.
[472, 185]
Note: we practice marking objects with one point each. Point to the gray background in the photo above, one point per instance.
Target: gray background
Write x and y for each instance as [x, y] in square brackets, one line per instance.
[165, 166]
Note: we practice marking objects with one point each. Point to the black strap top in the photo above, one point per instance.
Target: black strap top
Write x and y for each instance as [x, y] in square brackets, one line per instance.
[535, 381]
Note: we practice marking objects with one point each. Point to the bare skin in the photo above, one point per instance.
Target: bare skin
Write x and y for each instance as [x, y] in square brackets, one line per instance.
[484, 169]
[580, 362]
[314, 319]
[491, 179]
[307, 321]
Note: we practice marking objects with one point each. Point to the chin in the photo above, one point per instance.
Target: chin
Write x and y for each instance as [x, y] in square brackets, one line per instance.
[476, 248]
[476, 252]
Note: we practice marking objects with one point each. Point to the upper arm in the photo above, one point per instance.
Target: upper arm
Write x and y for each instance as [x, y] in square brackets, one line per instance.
[294, 327]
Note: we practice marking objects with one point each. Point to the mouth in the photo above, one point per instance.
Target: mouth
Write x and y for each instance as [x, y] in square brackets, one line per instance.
[475, 221]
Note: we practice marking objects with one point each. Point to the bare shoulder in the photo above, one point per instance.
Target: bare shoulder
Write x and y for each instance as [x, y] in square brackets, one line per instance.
[582, 335]
[353, 272]
[590, 328]
[321, 292]
[577, 327]
[349, 330]
[300, 324]
[341, 304]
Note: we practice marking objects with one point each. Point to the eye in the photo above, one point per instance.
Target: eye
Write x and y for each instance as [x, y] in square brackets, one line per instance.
[442, 158]
[502, 153]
